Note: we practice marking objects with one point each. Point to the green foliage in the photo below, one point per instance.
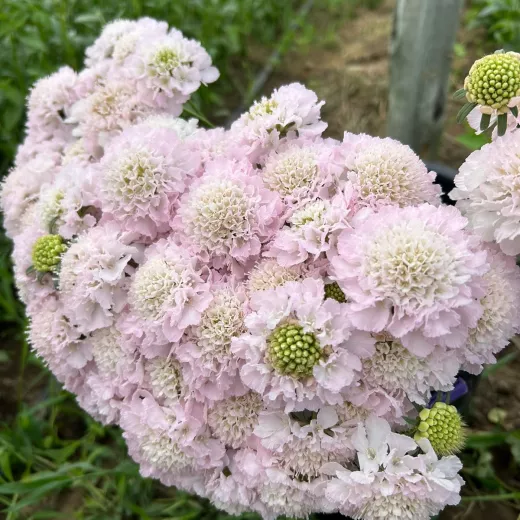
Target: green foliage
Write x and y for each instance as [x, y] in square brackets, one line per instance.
[501, 19]
[56, 462]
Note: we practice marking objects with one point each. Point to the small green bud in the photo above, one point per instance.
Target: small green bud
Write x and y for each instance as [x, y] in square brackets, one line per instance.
[442, 425]
[494, 80]
[333, 290]
[291, 351]
[46, 253]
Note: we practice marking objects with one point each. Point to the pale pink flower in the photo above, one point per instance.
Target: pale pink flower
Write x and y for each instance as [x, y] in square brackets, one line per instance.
[324, 322]
[93, 277]
[487, 191]
[228, 214]
[386, 172]
[415, 272]
[141, 175]
[291, 111]
[168, 293]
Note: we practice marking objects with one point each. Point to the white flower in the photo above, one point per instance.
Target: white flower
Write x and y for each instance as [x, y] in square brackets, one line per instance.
[487, 192]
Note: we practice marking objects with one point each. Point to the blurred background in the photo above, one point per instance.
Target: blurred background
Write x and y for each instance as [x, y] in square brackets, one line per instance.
[56, 462]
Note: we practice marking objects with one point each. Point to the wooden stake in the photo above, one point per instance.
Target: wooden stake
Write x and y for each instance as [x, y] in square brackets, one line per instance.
[422, 42]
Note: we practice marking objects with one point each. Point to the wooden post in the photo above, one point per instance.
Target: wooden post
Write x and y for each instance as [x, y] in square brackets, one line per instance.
[422, 43]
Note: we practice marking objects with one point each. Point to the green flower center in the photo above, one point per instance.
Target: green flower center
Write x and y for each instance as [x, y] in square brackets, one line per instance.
[443, 427]
[333, 290]
[291, 351]
[166, 60]
[494, 80]
[46, 253]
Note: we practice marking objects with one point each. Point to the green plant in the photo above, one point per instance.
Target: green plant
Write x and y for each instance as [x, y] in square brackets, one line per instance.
[501, 19]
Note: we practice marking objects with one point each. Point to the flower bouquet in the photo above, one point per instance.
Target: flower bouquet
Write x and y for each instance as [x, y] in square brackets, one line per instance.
[265, 312]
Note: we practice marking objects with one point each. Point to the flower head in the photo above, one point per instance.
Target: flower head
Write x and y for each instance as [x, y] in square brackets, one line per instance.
[299, 169]
[232, 420]
[168, 293]
[386, 172]
[172, 65]
[143, 175]
[415, 272]
[291, 111]
[268, 274]
[500, 319]
[47, 252]
[443, 427]
[228, 212]
[297, 345]
[93, 279]
[494, 80]
[487, 188]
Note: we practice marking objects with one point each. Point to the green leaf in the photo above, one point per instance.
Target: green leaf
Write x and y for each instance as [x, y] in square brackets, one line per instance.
[514, 111]
[502, 124]
[484, 121]
[460, 94]
[464, 111]
[486, 440]
[30, 270]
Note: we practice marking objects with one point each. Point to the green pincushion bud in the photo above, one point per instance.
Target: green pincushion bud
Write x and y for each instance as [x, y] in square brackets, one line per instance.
[442, 425]
[46, 253]
[292, 351]
[493, 80]
[333, 290]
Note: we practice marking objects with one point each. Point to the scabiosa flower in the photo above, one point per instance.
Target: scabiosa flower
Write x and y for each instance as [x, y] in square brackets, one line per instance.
[386, 172]
[142, 176]
[21, 189]
[47, 252]
[164, 378]
[300, 168]
[487, 190]
[168, 293]
[114, 374]
[210, 368]
[442, 425]
[232, 420]
[389, 477]
[111, 107]
[69, 205]
[182, 127]
[228, 213]
[403, 374]
[103, 47]
[501, 317]
[296, 349]
[93, 276]
[291, 111]
[312, 230]
[303, 442]
[493, 82]
[49, 105]
[414, 271]
[268, 274]
[57, 341]
[172, 66]
[167, 442]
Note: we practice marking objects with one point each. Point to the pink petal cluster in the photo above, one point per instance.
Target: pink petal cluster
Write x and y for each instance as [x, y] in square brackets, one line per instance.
[258, 308]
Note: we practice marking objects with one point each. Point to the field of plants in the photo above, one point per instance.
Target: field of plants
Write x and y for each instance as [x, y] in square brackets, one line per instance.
[58, 463]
